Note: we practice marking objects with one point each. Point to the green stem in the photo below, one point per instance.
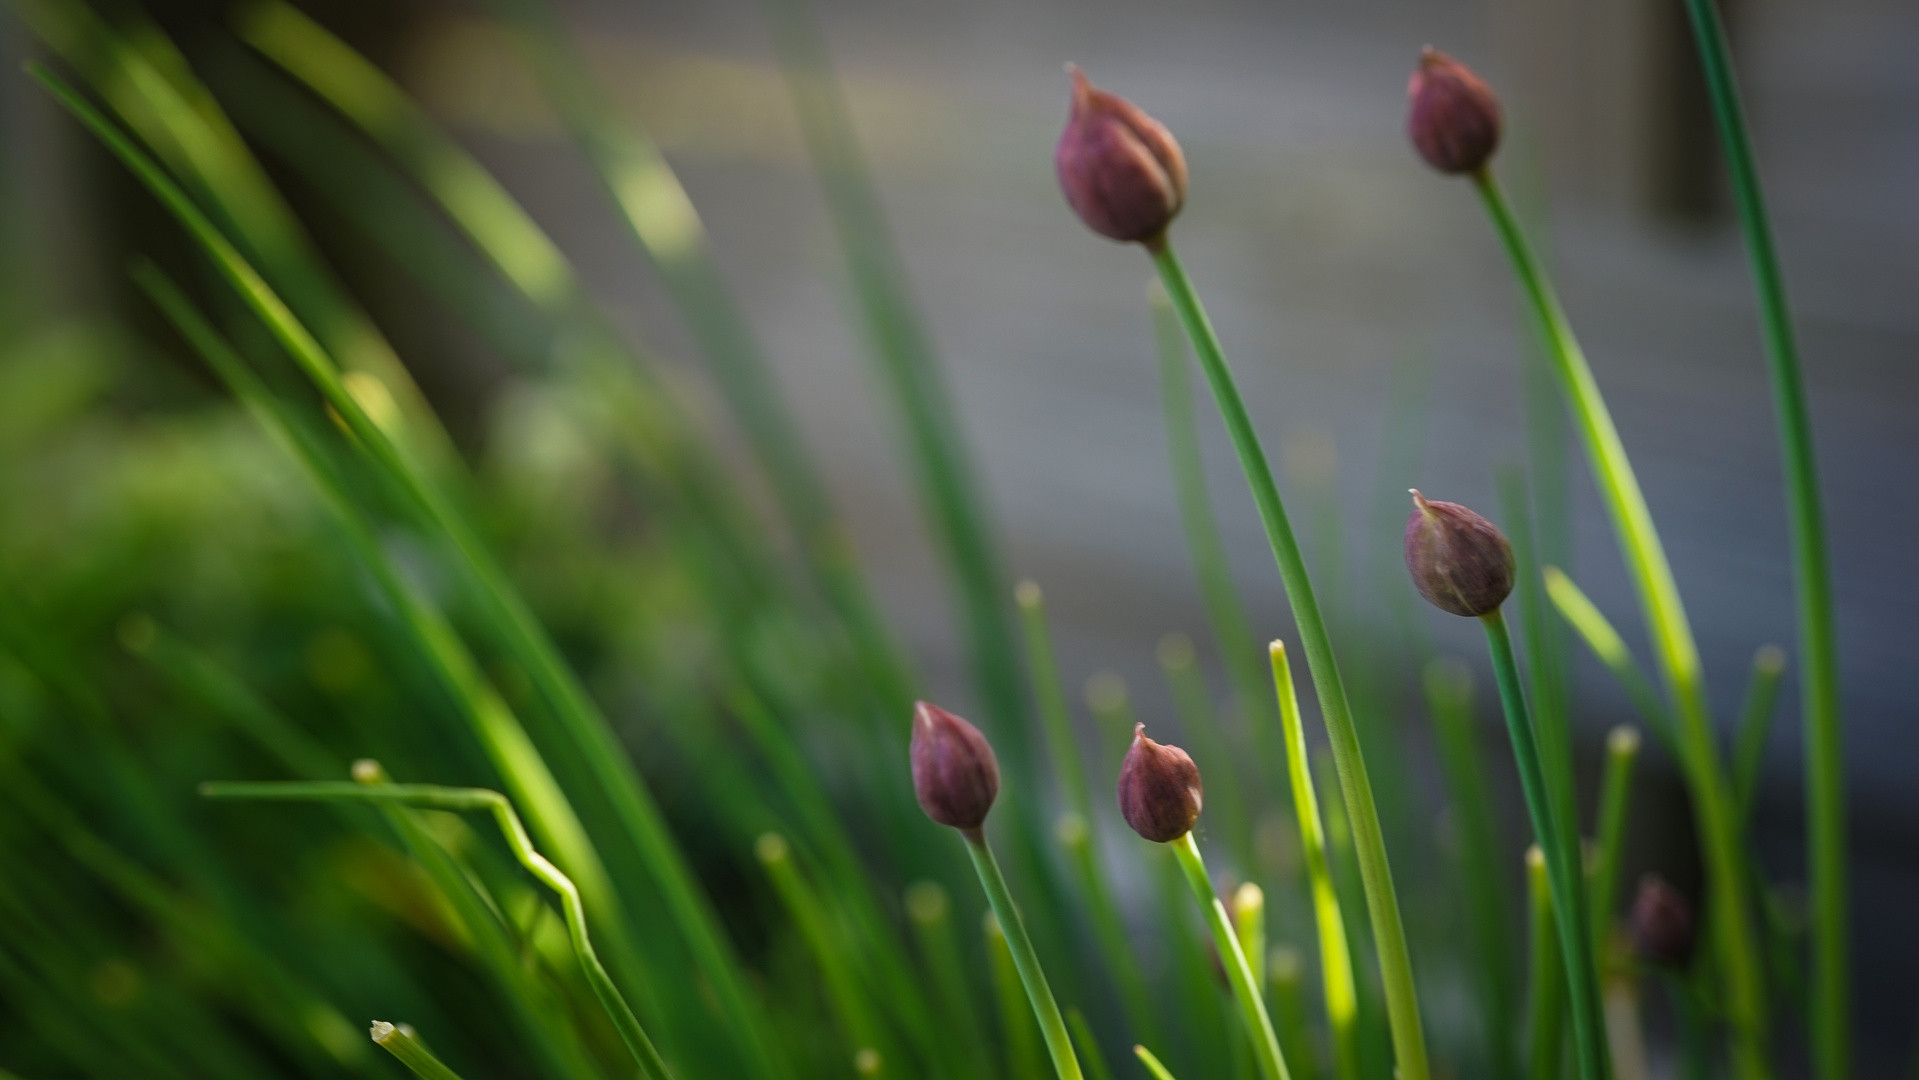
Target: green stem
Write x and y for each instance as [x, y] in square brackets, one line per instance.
[1673, 641]
[1335, 955]
[1597, 631]
[1546, 1009]
[836, 961]
[1051, 1025]
[930, 911]
[1615, 796]
[411, 1052]
[469, 799]
[1252, 1006]
[1382, 902]
[1088, 1045]
[1819, 650]
[1755, 722]
[1055, 717]
[1152, 1064]
[1565, 872]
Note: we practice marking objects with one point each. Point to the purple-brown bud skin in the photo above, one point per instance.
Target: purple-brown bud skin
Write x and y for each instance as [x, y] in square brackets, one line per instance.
[1453, 115]
[955, 774]
[1159, 789]
[1459, 560]
[1120, 169]
[1662, 925]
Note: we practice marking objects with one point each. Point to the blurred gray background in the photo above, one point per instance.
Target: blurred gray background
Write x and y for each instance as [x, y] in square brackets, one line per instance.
[1341, 274]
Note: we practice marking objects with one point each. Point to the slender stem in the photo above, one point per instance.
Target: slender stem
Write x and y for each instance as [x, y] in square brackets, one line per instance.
[412, 1052]
[1818, 647]
[1597, 631]
[830, 952]
[1252, 1006]
[1055, 717]
[930, 911]
[1755, 722]
[1382, 902]
[1017, 1026]
[1564, 868]
[1075, 835]
[468, 799]
[1058, 1042]
[1335, 955]
[1615, 796]
[1546, 1007]
[1088, 1044]
[1152, 1064]
[1672, 637]
[1285, 978]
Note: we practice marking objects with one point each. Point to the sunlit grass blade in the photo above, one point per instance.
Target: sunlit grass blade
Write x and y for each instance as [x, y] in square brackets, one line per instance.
[1335, 956]
[1812, 574]
[1369, 843]
[397, 1040]
[1674, 645]
[516, 245]
[1449, 698]
[490, 802]
[1152, 1063]
[587, 733]
[1598, 633]
[151, 89]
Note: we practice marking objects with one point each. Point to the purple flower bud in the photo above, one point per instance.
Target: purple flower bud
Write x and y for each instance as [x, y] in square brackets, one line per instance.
[1454, 116]
[1459, 560]
[955, 774]
[1159, 789]
[1662, 926]
[1120, 169]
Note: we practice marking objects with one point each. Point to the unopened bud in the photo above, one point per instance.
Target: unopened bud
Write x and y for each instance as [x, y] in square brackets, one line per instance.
[1453, 116]
[1120, 169]
[1662, 925]
[1459, 560]
[955, 774]
[1159, 789]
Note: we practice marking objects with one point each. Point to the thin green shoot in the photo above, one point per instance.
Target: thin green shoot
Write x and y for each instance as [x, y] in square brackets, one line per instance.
[1755, 723]
[1152, 1064]
[1565, 864]
[1598, 633]
[1088, 1043]
[1239, 971]
[1018, 1029]
[929, 911]
[1609, 852]
[817, 927]
[1059, 1044]
[433, 796]
[398, 1040]
[1546, 983]
[1812, 574]
[1338, 987]
[1369, 842]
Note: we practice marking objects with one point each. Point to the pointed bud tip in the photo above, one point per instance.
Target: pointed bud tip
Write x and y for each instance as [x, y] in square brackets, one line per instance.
[1160, 794]
[1121, 170]
[1459, 561]
[1453, 116]
[955, 774]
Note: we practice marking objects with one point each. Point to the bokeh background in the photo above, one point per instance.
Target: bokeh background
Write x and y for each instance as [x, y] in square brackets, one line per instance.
[1373, 323]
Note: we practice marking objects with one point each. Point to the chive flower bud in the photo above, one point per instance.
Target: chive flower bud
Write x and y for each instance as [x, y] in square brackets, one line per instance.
[1662, 923]
[955, 775]
[1459, 561]
[1120, 169]
[1453, 116]
[1159, 789]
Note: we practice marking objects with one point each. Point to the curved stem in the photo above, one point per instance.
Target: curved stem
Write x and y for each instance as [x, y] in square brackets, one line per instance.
[1369, 842]
[1563, 863]
[1051, 1025]
[1252, 1007]
[1673, 642]
[411, 1052]
[1819, 651]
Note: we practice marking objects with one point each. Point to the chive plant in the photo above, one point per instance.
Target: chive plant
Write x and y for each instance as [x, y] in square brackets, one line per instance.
[699, 869]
